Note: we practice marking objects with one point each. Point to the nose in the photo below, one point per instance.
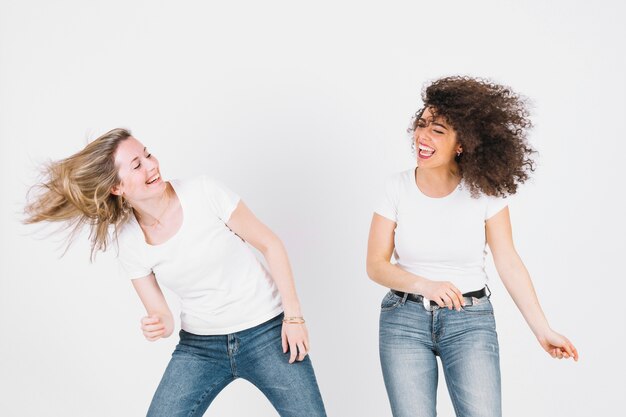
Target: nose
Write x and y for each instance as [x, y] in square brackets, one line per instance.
[421, 135]
[151, 164]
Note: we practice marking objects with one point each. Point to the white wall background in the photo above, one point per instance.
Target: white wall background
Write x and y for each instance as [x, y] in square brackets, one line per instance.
[302, 109]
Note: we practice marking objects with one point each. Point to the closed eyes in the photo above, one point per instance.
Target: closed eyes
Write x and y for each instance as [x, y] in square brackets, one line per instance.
[139, 163]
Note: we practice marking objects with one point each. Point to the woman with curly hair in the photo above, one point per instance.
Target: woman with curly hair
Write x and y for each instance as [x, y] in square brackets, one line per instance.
[238, 319]
[435, 220]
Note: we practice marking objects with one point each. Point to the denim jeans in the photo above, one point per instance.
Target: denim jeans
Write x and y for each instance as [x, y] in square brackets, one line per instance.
[201, 366]
[412, 336]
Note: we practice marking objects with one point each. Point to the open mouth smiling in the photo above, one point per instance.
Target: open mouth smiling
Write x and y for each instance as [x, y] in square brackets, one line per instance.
[425, 152]
[154, 179]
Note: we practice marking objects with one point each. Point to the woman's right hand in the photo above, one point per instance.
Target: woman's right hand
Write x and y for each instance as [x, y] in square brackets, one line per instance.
[156, 327]
[160, 323]
[444, 293]
[557, 345]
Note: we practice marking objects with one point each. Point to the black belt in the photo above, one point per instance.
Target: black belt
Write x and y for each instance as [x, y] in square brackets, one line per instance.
[420, 298]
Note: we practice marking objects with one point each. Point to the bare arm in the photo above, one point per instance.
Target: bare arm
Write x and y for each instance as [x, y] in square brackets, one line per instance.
[379, 268]
[159, 321]
[380, 248]
[245, 224]
[517, 281]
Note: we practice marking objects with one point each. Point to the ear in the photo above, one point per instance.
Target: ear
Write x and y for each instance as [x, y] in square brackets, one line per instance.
[459, 149]
[116, 190]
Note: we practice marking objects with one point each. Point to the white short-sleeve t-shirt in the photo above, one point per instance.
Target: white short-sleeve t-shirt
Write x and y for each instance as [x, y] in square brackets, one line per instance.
[223, 287]
[441, 239]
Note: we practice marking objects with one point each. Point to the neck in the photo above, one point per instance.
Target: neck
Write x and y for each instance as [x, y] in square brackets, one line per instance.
[440, 175]
[438, 180]
[150, 212]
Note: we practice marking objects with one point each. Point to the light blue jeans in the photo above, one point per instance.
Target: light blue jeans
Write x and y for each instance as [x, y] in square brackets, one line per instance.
[411, 338]
[201, 366]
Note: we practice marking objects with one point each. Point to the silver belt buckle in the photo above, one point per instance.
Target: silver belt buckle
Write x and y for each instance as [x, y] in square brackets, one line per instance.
[426, 303]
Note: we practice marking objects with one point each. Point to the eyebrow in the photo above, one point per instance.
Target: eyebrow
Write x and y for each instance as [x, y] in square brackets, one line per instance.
[421, 119]
[133, 160]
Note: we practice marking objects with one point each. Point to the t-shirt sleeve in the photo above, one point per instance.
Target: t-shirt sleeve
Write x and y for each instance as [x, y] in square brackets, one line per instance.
[222, 201]
[130, 259]
[495, 205]
[388, 203]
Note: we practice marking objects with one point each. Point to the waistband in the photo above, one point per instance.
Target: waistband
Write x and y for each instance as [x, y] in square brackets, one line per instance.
[469, 297]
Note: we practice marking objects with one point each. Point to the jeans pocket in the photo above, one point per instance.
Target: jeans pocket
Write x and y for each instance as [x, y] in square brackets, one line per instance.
[390, 301]
[480, 306]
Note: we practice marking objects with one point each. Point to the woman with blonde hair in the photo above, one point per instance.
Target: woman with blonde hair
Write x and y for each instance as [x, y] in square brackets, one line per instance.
[238, 320]
[470, 145]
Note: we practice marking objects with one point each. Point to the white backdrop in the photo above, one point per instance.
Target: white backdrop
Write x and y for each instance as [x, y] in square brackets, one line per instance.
[302, 108]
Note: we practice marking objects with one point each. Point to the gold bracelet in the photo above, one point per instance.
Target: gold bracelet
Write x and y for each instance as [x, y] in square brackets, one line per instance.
[293, 320]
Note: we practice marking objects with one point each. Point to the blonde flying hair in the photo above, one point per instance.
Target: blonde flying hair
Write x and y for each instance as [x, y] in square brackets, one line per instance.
[77, 192]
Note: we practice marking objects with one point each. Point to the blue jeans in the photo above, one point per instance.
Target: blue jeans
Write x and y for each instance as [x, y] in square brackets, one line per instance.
[201, 366]
[412, 336]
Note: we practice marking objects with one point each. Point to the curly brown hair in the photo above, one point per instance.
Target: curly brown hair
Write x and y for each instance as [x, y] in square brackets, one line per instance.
[491, 123]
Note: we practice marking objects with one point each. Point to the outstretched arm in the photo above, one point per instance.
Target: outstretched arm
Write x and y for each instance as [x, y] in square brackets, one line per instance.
[517, 281]
[245, 224]
[159, 321]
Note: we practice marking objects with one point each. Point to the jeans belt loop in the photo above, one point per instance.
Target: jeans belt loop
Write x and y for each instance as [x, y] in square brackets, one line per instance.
[404, 297]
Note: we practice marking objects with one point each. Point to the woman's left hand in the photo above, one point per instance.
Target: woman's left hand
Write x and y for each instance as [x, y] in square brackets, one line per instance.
[558, 346]
[295, 338]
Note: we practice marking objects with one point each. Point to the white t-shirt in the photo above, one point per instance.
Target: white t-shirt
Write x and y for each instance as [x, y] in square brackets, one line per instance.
[223, 287]
[441, 239]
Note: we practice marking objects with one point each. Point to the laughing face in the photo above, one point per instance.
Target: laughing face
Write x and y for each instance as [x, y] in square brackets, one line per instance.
[435, 141]
[138, 170]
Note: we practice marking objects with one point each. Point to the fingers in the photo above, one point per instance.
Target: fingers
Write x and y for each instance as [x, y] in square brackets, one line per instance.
[558, 346]
[153, 332]
[150, 320]
[297, 352]
[152, 327]
[448, 299]
[456, 299]
[301, 351]
[559, 353]
[460, 297]
[283, 338]
[151, 337]
[567, 351]
[151, 324]
[451, 297]
[570, 350]
[296, 340]
[293, 352]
